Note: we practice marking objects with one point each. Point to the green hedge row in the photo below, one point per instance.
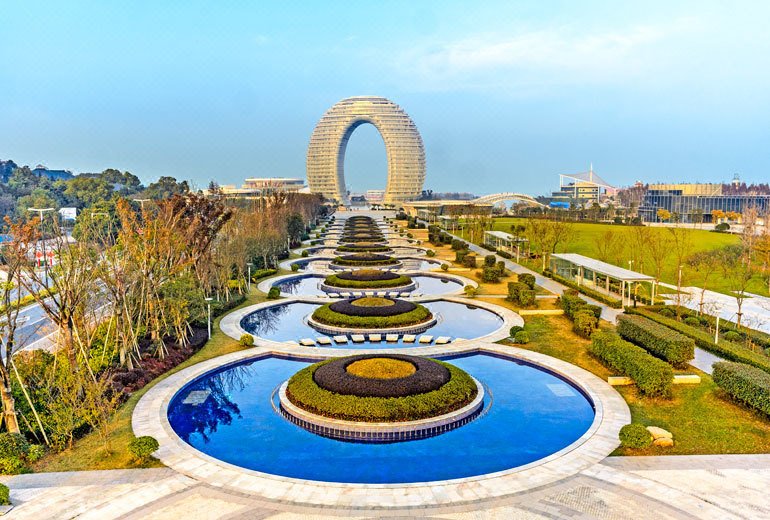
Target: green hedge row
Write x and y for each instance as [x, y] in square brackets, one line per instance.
[705, 340]
[596, 295]
[585, 317]
[653, 377]
[262, 273]
[335, 281]
[744, 383]
[305, 393]
[336, 319]
[658, 339]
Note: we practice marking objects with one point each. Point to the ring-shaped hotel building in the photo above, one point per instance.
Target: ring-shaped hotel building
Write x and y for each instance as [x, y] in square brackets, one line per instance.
[403, 146]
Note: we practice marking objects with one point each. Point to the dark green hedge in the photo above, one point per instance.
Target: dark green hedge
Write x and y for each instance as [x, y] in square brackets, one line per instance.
[660, 340]
[305, 393]
[335, 281]
[744, 383]
[653, 377]
[705, 340]
[596, 295]
[325, 315]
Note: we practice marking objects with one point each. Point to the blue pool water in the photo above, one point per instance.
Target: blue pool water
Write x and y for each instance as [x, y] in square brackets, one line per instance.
[286, 322]
[310, 285]
[532, 415]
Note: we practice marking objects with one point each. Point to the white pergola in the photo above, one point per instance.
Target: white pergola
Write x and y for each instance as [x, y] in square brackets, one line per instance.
[504, 241]
[584, 270]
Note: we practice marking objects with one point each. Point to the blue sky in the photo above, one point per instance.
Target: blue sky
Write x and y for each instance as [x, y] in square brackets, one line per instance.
[506, 95]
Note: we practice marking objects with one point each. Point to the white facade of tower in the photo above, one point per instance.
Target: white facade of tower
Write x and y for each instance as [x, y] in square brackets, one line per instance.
[403, 146]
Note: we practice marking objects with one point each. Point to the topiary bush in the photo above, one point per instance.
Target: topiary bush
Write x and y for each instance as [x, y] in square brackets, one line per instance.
[470, 291]
[469, 260]
[294, 268]
[668, 344]
[490, 260]
[5, 495]
[274, 293]
[744, 383]
[460, 255]
[521, 337]
[304, 253]
[247, 340]
[430, 253]
[490, 274]
[584, 323]
[635, 436]
[730, 335]
[444, 267]
[143, 447]
[666, 312]
[652, 376]
[527, 298]
[514, 330]
[527, 279]
[692, 321]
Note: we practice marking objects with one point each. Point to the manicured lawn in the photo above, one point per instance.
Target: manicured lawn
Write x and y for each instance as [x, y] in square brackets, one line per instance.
[587, 235]
[702, 419]
[89, 452]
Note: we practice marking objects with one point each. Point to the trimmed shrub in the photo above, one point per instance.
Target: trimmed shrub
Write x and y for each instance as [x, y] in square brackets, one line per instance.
[444, 267]
[721, 227]
[515, 329]
[665, 343]
[730, 335]
[584, 323]
[274, 293]
[14, 450]
[490, 261]
[744, 383]
[460, 255]
[304, 253]
[394, 280]
[368, 317]
[635, 435]
[527, 279]
[458, 244]
[247, 340]
[262, 273]
[652, 376]
[430, 253]
[570, 302]
[500, 266]
[490, 274]
[5, 495]
[667, 313]
[143, 447]
[294, 268]
[705, 340]
[521, 337]
[593, 309]
[527, 298]
[470, 291]
[469, 260]
[692, 321]
[504, 254]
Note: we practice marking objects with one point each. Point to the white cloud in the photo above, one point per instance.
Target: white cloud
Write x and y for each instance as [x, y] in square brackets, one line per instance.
[532, 59]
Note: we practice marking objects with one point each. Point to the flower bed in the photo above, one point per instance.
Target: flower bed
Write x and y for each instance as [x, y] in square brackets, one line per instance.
[367, 279]
[364, 259]
[346, 313]
[427, 376]
[458, 391]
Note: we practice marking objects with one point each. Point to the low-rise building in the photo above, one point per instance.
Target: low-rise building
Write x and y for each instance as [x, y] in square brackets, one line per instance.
[695, 203]
[259, 186]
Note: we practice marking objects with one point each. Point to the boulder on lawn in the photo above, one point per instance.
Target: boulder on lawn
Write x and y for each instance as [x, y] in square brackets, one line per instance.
[663, 442]
[659, 433]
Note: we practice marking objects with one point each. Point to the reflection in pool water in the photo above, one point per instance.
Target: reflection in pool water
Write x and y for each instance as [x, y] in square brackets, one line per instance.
[533, 414]
[286, 322]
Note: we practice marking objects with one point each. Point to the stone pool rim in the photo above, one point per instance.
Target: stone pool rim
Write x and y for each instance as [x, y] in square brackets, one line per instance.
[611, 412]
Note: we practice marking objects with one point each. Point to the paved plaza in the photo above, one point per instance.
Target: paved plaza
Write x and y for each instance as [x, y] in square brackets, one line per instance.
[719, 487]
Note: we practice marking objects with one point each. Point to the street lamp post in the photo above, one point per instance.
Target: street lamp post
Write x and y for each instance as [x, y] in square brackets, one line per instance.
[208, 303]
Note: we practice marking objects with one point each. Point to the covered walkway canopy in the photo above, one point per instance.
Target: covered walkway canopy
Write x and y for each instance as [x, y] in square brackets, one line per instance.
[504, 241]
[601, 276]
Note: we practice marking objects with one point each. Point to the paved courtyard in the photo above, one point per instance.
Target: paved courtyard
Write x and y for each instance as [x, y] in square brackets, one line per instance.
[715, 487]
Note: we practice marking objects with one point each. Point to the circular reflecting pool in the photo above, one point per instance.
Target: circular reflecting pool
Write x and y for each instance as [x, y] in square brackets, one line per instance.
[286, 322]
[529, 414]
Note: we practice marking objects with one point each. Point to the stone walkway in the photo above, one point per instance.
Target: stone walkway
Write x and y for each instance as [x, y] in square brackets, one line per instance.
[712, 487]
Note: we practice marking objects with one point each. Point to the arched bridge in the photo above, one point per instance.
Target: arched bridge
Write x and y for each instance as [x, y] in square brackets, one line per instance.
[504, 197]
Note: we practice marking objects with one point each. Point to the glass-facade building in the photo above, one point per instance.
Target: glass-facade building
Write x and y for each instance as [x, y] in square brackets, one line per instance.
[691, 201]
[403, 146]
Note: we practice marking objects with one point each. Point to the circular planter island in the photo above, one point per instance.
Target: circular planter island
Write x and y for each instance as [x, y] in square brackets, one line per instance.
[381, 397]
[368, 280]
[371, 315]
[364, 260]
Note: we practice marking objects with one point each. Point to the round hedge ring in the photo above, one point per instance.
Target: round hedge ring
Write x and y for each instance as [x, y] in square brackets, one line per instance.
[338, 377]
[367, 279]
[329, 389]
[372, 313]
[364, 259]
